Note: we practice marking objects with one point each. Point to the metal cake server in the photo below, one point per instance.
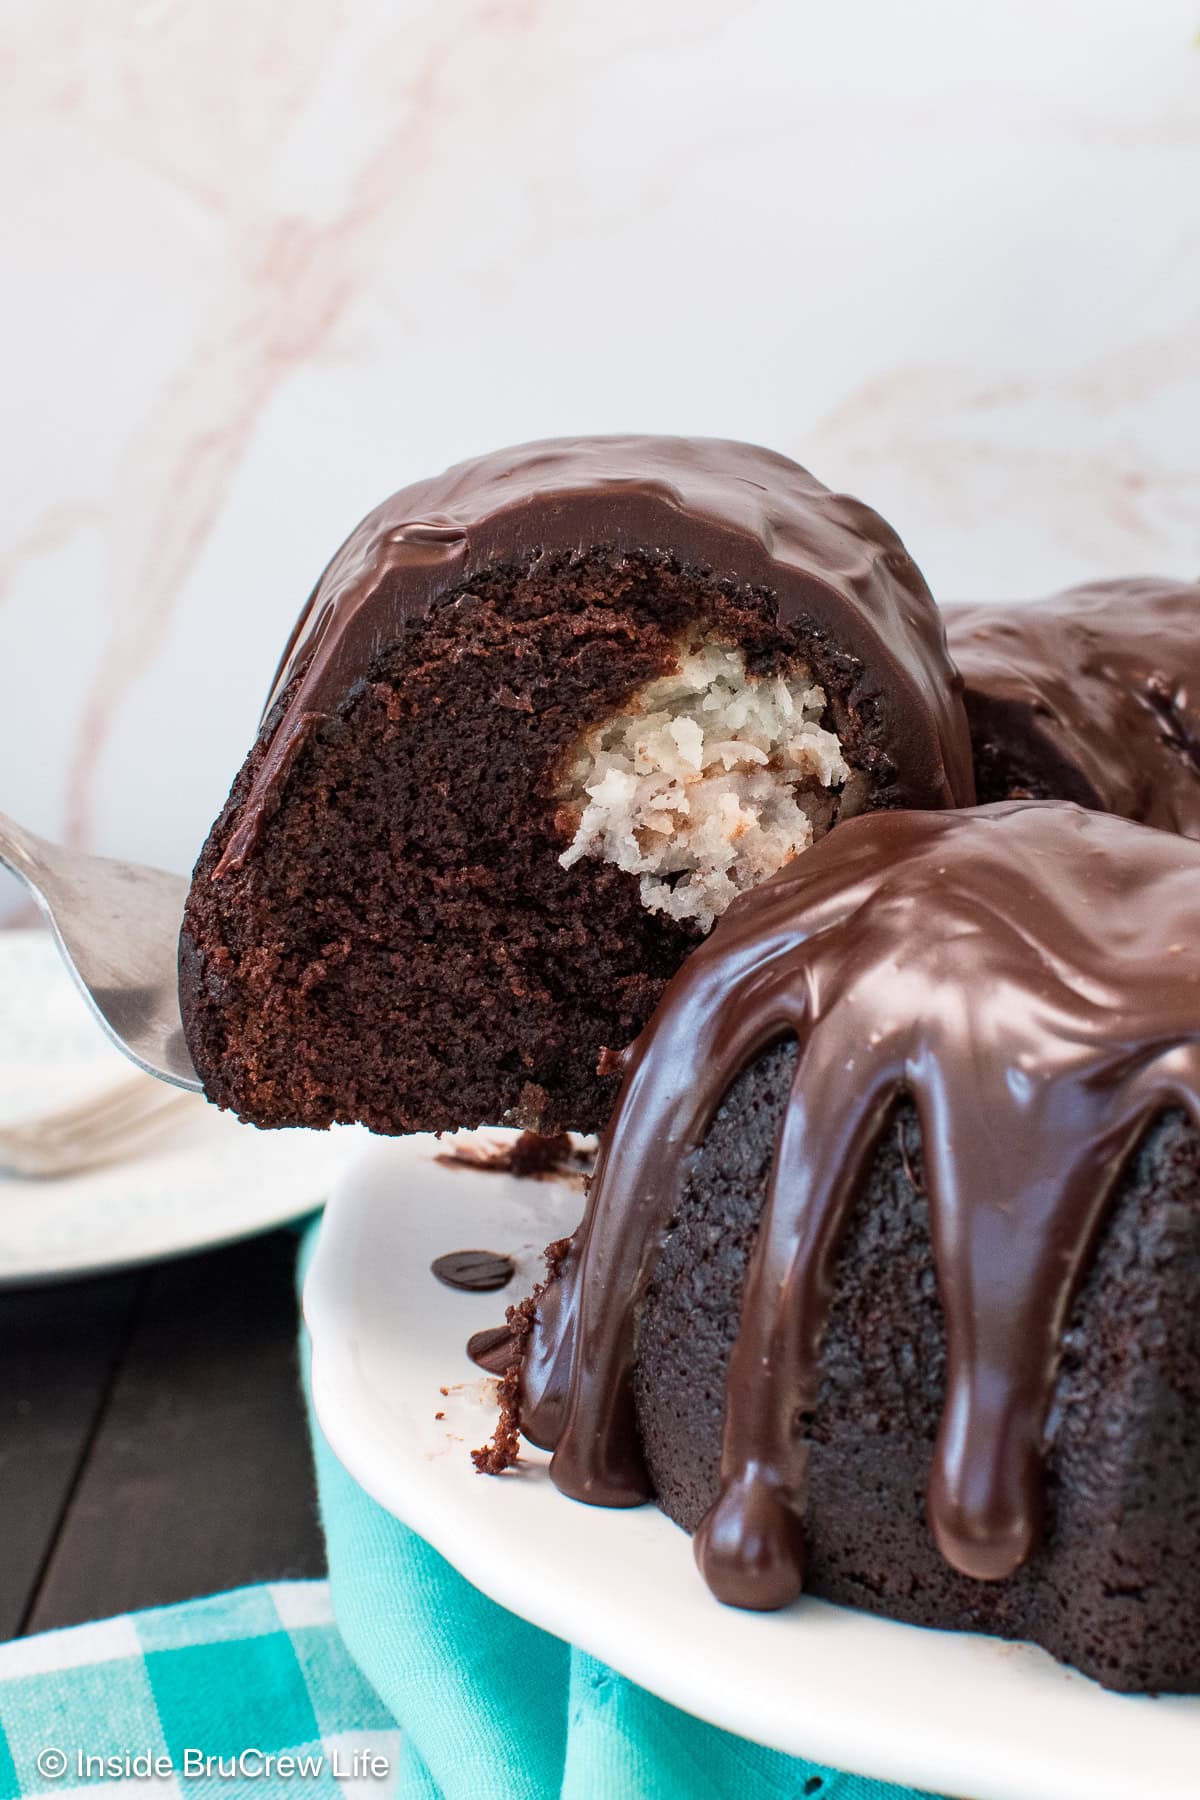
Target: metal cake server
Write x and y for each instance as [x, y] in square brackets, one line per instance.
[117, 926]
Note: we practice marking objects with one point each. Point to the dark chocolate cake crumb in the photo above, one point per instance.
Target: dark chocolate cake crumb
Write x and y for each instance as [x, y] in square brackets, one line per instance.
[505, 1447]
[474, 1271]
[536, 1156]
[532, 1156]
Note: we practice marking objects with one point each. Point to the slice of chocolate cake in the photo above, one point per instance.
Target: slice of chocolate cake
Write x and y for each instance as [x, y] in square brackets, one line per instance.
[1092, 696]
[888, 1286]
[544, 716]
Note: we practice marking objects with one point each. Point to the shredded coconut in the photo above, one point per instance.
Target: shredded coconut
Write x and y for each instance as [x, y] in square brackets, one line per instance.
[701, 787]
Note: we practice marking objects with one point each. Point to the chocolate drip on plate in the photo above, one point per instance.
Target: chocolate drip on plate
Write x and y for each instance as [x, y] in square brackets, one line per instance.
[1030, 975]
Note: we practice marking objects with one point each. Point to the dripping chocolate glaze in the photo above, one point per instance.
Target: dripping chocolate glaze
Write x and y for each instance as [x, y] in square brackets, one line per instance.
[1101, 684]
[1030, 974]
[733, 509]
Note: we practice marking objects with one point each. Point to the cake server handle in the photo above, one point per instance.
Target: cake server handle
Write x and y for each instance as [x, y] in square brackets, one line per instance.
[117, 927]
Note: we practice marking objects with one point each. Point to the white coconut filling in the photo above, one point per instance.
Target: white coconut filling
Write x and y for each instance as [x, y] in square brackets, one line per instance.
[707, 784]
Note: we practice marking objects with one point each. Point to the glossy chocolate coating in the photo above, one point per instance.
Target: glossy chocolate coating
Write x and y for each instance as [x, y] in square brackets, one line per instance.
[1099, 688]
[1030, 975]
[744, 513]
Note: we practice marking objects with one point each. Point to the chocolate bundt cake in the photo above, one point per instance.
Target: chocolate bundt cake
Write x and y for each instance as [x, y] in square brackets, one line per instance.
[543, 717]
[888, 1286]
[1092, 696]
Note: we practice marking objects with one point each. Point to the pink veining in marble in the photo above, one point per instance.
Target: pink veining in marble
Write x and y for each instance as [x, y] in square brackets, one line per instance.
[292, 279]
[859, 238]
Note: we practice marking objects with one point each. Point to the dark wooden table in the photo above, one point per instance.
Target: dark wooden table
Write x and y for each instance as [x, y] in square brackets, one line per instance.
[153, 1445]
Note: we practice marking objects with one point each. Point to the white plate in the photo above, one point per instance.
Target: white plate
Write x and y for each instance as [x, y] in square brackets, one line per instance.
[208, 1182]
[949, 1713]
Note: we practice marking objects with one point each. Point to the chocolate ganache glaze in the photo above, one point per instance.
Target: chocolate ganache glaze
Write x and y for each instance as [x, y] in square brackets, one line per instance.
[1092, 696]
[729, 508]
[1029, 975]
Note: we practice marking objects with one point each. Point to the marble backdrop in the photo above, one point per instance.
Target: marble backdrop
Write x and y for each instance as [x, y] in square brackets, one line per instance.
[265, 262]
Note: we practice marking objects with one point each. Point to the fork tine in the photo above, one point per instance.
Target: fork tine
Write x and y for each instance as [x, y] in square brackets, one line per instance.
[106, 1128]
[71, 1156]
[96, 1130]
[125, 1102]
[125, 1099]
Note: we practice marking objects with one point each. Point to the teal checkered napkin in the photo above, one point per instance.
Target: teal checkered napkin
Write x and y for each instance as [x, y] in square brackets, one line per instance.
[205, 1700]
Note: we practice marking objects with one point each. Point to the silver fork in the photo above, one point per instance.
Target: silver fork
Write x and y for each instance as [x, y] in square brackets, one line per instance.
[120, 1122]
[117, 926]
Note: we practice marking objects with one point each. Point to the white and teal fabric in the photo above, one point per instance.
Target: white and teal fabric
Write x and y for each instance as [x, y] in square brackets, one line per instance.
[251, 1693]
[429, 1692]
